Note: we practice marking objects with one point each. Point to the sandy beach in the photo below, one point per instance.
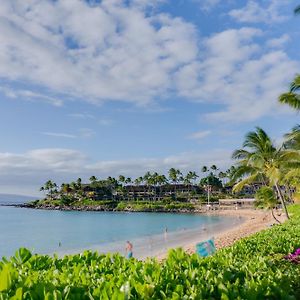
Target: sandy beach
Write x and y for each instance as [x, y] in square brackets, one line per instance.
[252, 221]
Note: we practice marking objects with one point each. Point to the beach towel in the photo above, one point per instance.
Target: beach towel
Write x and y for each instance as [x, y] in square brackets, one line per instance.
[206, 248]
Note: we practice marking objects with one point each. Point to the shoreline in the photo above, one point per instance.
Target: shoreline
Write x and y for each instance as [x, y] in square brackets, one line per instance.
[254, 221]
[245, 222]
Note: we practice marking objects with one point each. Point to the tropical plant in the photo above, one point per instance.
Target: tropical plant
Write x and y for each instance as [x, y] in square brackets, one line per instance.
[266, 198]
[212, 181]
[297, 10]
[260, 161]
[292, 97]
[50, 187]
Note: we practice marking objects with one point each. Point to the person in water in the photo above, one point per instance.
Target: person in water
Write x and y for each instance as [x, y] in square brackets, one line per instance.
[129, 249]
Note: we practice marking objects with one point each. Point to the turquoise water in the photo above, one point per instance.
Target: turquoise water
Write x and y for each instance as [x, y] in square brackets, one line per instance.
[46, 231]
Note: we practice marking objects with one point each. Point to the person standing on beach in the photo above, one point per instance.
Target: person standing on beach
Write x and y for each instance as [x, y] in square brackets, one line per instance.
[129, 248]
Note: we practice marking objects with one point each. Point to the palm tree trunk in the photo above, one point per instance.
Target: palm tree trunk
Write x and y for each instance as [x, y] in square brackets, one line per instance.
[272, 211]
[282, 200]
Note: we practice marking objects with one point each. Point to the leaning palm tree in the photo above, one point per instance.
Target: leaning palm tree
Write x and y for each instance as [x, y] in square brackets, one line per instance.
[260, 161]
[292, 97]
[266, 198]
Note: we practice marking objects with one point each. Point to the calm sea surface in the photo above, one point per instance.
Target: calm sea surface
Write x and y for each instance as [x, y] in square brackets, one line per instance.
[45, 231]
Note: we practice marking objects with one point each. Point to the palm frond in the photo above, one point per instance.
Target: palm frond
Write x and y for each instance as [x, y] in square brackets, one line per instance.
[297, 10]
[293, 174]
[273, 174]
[238, 186]
[292, 139]
[292, 99]
[265, 197]
[242, 171]
[295, 85]
[240, 154]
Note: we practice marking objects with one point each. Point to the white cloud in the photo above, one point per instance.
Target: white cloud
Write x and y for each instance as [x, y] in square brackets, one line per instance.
[93, 51]
[81, 116]
[199, 135]
[86, 132]
[28, 171]
[207, 5]
[114, 51]
[255, 12]
[278, 42]
[239, 74]
[30, 96]
[82, 133]
[60, 134]
[105, 122]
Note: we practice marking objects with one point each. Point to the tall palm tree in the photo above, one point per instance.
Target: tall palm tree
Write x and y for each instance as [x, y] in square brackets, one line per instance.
[51, 187]
[175, 175]
[259, 160]
[292, 97]
[148, 181]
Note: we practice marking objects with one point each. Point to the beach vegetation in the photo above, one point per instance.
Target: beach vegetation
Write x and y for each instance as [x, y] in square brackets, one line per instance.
[261, 161]
[266, 198]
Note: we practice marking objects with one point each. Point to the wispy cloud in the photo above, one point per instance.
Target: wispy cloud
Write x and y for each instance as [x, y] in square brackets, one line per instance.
[238, 73]
[278, 42]
[60, 135]
[81, 116]
[82, 133]
[44, 43]
[31, 96]
[105, 122]
[86, 132]
[207, 5]
[199, 135]
[256, 12]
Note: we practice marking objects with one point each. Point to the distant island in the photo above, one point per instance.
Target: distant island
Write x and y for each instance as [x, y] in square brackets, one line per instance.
[152, 192]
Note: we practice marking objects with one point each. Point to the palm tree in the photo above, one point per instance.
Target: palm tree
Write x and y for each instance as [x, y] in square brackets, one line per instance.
[214, 168]
[261, 161]
[175, 175]
[148, 181]
[189, 178]
[122, 179]
[93, 182]
[297, 10]
[205, 169]
[222, 176]
[51, 187]
[292, 177]
[292, 97]
[266, 198]
[93, 179]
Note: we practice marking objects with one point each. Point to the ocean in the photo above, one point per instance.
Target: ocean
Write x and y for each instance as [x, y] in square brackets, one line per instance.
[63, 232]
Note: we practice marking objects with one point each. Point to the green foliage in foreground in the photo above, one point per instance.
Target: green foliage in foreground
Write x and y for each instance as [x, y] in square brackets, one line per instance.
[252, 268]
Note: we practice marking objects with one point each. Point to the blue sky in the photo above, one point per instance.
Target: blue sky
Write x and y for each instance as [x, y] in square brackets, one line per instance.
[121, 87]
